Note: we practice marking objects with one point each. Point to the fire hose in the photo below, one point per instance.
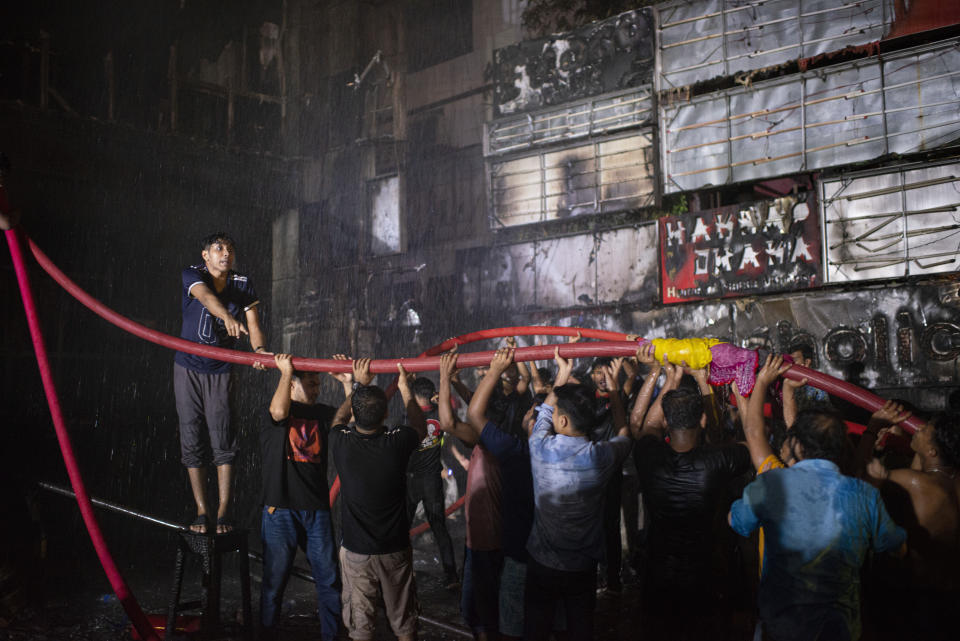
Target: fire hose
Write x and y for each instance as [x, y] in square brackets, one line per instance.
[613, 344]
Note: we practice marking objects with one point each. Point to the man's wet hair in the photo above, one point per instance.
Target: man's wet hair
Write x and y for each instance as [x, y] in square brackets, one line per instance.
[683, 408]
[424, 387]
[369, 404]
[946, 437]
[577, 403]
[804, 347]
[546, 375]
[299, 374]
[821, 435]
[600, 361]
[687, 381]
[216, 237]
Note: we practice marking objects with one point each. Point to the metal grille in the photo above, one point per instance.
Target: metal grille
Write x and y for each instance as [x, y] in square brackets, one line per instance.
[575, 120]
[701, 39]
[844, 114]
[611, 174]
[902, 222]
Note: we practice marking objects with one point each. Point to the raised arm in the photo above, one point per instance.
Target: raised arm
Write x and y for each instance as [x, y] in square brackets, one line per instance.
[477, 410]
[449, 422]
[751, 411]
[463, 391]
[640, 406]
[790, 388]
[654, 422]
[208, 299]
[344, 378]
[630, 369]
[414, 413]
[280, 403]
[362, 375]
[539, 387]
[564, 371]
[890, 414]
[611, 373]
[524, 383]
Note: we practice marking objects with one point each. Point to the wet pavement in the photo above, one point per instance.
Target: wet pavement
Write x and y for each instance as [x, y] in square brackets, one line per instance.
[64, 595]
[69, 597]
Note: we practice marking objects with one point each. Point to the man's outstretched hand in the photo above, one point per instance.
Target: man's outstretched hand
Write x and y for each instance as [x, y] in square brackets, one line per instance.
[361, 371]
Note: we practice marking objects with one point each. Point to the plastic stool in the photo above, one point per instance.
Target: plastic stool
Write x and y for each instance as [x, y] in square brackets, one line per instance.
[209, 548]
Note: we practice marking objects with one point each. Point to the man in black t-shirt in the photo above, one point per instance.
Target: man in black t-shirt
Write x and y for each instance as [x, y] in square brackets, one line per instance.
[684, 487]
[372, 463]
[296, 500]
[424, 481]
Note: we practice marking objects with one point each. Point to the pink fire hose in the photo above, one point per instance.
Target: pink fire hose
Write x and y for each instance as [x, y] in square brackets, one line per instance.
[124, 595]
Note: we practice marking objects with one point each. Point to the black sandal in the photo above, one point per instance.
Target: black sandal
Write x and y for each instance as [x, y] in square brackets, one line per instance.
[225, 523]
[200, 525]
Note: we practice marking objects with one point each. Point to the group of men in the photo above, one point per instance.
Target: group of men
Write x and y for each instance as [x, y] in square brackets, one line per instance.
[545, 481]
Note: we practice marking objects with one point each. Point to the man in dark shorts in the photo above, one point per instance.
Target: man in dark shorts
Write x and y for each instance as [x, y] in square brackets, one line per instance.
[215, 302]
[372, 462]
[296, 499]
[424, 481]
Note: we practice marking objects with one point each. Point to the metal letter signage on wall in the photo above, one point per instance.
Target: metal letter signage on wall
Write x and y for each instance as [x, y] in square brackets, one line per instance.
[759, 248]
[598, 58]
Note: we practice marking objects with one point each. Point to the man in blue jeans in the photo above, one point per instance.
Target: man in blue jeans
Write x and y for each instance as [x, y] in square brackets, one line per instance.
[296, 502]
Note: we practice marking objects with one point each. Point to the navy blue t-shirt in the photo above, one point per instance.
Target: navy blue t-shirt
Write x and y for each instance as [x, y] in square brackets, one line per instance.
[200, 326]
[513, 455]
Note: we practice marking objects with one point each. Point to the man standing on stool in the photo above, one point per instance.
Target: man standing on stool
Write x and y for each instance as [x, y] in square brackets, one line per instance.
[296, 501]
[215, 298]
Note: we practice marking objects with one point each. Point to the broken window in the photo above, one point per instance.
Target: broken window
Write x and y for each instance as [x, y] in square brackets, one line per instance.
[383, 203]
[588, 157]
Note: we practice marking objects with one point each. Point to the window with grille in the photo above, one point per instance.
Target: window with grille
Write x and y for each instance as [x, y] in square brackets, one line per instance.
[589, 157]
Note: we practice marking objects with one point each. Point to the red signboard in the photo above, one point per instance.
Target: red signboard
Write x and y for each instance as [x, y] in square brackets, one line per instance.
[739, 250]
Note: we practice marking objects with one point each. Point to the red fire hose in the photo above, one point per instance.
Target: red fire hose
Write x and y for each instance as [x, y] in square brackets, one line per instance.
[382, 366]
[847, 391]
